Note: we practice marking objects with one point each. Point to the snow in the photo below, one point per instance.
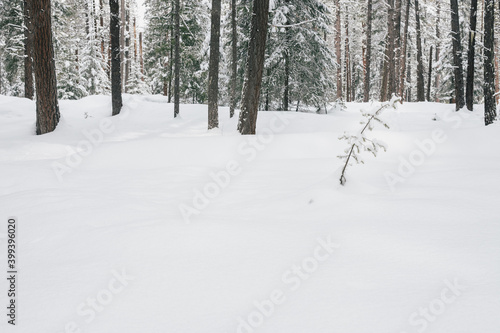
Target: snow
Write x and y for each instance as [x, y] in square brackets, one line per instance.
[105, 246]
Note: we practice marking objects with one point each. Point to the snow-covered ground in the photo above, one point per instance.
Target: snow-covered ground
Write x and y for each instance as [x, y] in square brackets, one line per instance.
[146, 223]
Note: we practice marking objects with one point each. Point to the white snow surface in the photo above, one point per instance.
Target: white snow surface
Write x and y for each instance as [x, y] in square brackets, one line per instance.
[420, 255]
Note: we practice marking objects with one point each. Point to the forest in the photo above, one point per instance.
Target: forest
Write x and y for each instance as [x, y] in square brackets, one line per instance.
[316, 52]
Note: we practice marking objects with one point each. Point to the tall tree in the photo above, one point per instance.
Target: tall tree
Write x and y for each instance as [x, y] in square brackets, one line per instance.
[177, 56]
[404, 51]
[116, 81]
[368, 55]
[255, 66]
[213, 67]
[489, 66]
[338, 54]
[429, 77]
[469, 85]
[47, 107]
[420, 61]
[457, 56]
[234, 58]
[28, 52]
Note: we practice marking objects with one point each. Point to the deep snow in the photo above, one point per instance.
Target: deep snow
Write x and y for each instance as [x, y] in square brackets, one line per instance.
[114, 235]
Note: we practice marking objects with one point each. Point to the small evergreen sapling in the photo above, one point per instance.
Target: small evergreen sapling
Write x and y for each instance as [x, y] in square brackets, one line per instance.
[360, 142]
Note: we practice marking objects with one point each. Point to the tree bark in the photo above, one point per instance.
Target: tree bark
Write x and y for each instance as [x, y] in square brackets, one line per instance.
[368, 56]
[420, 62]
[457, 56]
[29, 91]
[234, 58]
[429, 77]
[404, 51]
[338, 54]
[438, 49]
[254, 67]
[469, 85]
[213, 67]
[347, 60]
[489, 67]
[122, 41]
[127, 47]
[116, 81]
[141, 57]
[287, 79]
[47, 107]
[177, 59]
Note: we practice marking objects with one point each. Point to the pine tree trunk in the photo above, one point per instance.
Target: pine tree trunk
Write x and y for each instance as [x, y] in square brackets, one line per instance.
[397, 45]
[213, 67]
[141, 57]
[429, 77]
[47, 107]
[368, 56]
[255, 66]
[116, 81]
[122, 41]
[420, 62]
[489, 68]
[28, 52]
[127, 46]
[347, 59]
[177, 57]
[469, 87]
[338, 54]
[457, 56]
[287, 77]
[438, 41]
[101, 23]
[404, 51]
[408, 75]
[135, 40]
[234, 58]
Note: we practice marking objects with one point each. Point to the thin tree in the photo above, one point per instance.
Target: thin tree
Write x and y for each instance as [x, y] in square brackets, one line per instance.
[404, 51]
[368, 56]
[254, 67]
[116, 81]
[234, 58]
[489, 66]
[469, 85]
[337, 49]
[388, 85]
[437, 80]
[457, 56]
[29, 90]
[177, 57]
[47, 107]
[420, 62]
[429, 77]
[213, 67]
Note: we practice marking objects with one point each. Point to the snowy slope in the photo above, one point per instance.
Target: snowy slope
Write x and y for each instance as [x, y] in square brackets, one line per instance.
[145, 223]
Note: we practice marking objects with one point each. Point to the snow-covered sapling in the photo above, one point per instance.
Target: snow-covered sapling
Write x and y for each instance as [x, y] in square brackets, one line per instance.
[359, 142]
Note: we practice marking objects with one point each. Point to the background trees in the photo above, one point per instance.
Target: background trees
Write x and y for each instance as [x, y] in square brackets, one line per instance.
[318, 51]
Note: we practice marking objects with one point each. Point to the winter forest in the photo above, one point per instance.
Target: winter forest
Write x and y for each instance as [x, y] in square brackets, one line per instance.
[249, 166]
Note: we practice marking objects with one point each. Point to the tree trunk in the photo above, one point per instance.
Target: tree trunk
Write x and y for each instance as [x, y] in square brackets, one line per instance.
[347, 59]
[489, 68]
[116, 81]
[469, 85]
[127, 46]
[141, 57]
[457, 56]
[255, 66]
[177, 59]
[438, 41]
[213, 67]
[47, 107]
[429, 77]
[28, 52]
[338, 54]
[101, 23]
[234, 58]
[122, 41]
[404, 51]
[368, 56]
[420, 62]
[397, 45]
[287, 77]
